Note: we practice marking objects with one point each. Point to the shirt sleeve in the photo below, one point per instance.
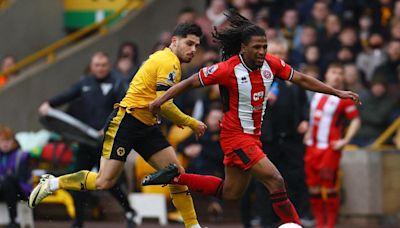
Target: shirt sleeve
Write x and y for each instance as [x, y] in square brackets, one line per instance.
[279, 67]
[215, 74]
[167, 75]
[350, 109]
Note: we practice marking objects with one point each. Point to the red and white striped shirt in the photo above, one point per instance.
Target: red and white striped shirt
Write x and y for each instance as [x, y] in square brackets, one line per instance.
[243, 91]
[326, 119]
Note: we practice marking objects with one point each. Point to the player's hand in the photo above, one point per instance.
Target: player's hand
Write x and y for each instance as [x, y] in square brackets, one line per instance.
[349, 95]
[44, 108]
[303, 127]
[339, 144]
[154, 107]
[200, 129]
[306, 137]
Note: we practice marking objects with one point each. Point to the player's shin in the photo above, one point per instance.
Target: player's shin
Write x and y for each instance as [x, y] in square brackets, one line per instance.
[318, 209]
[183, 201]
[332, 204]
[206, 185]
[283, 207]
[79, 181]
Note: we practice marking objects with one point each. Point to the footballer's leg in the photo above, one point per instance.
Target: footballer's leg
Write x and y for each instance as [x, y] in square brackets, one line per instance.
[235, 183]
[180, 195]
[116, 144]
[268, 174]
[79, 181]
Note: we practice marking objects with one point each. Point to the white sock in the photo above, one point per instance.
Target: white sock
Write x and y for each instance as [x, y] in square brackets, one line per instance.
[195, 226]
[54, 184]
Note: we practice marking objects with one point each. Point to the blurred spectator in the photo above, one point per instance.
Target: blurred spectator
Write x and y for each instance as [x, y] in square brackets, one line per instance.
[206, 156]
[383, 13]
[352, 79]
[243, 8]
[390, 70]
[158, 46]
[395, 29]
[213, 17]
[127, 60]
[313, 71]
[396, 10]
[7, 63]
[319, 13]
[348, 38]
[375, 112]
[262, 12]
[247, 13]
[312, 56]
[15, 174]
[329, 42]
[325, 141]
[373, 56]
[307, 37]
[290, 28]
[239, 4]
[345, 55]
[97, 93]
[365, 24]
[186, 15]
[333, 25]
[200, 101]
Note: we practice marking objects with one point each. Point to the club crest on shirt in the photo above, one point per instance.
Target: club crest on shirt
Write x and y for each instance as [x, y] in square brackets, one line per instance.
[210, 70]
[266, 74]
[283, 63]
[171, 77]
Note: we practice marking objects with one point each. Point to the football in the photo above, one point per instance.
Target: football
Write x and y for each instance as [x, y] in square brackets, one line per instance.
[290, 225]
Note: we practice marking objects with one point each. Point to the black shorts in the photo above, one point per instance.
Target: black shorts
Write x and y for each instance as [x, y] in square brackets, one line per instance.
[124, 132]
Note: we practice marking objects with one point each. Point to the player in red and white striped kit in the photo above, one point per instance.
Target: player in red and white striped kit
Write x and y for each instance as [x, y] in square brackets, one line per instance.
[324, 141]
[244, 78]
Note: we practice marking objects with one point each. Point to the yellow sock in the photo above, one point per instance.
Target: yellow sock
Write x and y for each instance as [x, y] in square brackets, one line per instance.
[79, 181]
[183, 201]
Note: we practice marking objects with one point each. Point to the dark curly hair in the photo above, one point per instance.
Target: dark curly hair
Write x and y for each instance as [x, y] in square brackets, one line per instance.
[239, 31]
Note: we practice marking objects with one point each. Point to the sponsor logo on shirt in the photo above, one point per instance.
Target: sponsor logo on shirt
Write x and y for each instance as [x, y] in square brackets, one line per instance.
[257, 96]
[283, 63]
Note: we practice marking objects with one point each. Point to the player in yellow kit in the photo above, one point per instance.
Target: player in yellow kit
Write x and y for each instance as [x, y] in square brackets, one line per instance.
[132, 125]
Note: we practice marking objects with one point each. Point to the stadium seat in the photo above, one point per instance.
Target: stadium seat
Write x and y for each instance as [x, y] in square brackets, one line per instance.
[24, 215]
[149, 205]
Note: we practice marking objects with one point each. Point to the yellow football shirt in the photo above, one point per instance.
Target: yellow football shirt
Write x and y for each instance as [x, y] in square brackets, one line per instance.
[160, 71]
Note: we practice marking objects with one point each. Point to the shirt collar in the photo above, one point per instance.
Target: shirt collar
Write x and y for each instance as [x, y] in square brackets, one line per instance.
[244, 64]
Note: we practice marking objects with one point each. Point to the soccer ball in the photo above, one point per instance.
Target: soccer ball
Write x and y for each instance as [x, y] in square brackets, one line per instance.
[290, 225]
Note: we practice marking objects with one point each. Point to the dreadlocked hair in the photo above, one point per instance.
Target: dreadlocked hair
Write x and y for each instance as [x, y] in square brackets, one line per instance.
[240, 31]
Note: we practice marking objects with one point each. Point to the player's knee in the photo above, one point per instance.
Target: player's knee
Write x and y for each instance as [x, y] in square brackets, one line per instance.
[231, 196]
[104, 183]
[231, 193]
[276, 182]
